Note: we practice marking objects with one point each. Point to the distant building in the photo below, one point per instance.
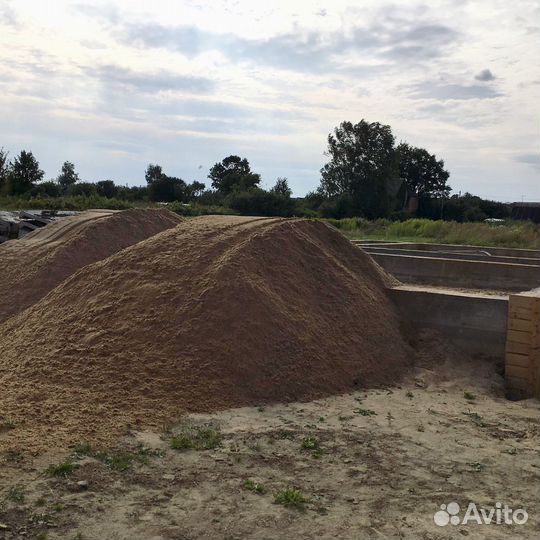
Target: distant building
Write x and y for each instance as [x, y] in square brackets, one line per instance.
[526, 210]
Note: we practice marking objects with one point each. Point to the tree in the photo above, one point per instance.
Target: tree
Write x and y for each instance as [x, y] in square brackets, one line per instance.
[67, 176]
[50, 188]
[421, 172]
[258, 202]
[153, 173]
[84, 189]
[233, 173]
[106, 188]
[167, 189]
[4, 168]
[363, 166]
[24, 173]
[282, 188]
[195, 189]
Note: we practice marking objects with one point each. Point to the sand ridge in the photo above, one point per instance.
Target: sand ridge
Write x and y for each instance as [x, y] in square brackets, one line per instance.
[34, 265]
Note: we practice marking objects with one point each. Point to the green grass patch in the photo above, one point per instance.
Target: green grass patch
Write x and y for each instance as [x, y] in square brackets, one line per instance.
[291, 498]
[256, 487]
[61, 470]
[365, 412]
[118, 459]
[196, 438]
[15, 494]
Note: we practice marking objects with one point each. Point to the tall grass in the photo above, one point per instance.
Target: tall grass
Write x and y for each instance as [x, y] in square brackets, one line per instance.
[515, 234]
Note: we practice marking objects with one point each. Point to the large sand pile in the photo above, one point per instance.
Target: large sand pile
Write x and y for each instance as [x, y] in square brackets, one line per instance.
[215, 313]
[34, 265]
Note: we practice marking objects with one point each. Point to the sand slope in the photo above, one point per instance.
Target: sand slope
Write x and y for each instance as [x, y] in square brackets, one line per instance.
[37, 263]
[219, 312]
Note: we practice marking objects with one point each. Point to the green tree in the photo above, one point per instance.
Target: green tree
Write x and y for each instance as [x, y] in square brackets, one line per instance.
[363, 167]
[67, 176]
[24, 173]
[422, 173]
[167, 189]
[195, 189]
[281, 187]
[233, 173]
[4, 168]
[153, 173]
[106, 188]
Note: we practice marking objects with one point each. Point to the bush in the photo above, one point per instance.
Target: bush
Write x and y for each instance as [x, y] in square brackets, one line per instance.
[257, 202]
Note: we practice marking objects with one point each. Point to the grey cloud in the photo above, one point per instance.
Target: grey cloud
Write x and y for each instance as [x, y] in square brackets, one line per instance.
[485, 75]
[150, 82]
[445, 92]
[309, 51]
[529, 159]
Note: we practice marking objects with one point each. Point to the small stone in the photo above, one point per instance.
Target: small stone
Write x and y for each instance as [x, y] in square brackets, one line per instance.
[3, 526]
[168, 477]
[82, 484]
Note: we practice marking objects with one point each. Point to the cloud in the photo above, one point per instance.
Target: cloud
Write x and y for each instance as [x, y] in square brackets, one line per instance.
[150, 82]
[8, 16]
[443, 92]
[529, 159]
[484, 76]
[300, 50]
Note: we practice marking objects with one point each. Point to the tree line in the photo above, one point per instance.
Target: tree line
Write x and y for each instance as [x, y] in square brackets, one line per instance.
[367, 175]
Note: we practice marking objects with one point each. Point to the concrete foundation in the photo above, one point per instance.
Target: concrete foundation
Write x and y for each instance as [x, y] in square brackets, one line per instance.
[474, 322]
[460, 273]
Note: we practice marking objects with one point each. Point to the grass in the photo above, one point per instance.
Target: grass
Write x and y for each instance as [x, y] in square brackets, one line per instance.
[365, 412]
[7, 423]
[118, 459]
[291, 498]
[61, 470]
[256, 487]
[310, 443]
[197, 438]
[476, 419]
[512, 234]
[15, 494]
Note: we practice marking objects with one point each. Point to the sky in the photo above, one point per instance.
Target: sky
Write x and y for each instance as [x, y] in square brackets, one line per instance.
[115, 85]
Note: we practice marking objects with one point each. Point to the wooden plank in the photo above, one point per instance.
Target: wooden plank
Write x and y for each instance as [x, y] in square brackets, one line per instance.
[518, 348]
[518, 336]
[519, 360]
[523, 326]
[521, 313]
[526, 302]
[518, 371]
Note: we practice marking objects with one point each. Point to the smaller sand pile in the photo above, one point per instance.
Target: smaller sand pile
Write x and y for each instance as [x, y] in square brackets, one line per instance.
[218, 312]
[37, 263]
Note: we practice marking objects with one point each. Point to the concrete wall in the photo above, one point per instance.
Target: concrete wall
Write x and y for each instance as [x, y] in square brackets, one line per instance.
[469, 256]
[496, 251]
[460, 273]
[475, 323]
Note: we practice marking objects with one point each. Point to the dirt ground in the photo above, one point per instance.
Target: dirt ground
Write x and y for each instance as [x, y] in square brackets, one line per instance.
[370, 464]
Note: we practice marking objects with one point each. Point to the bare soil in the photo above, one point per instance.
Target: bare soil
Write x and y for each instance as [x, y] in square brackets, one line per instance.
[378, 474]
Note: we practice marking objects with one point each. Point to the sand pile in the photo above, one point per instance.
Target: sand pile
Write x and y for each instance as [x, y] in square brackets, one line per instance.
[34, 265]
[216, 313]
